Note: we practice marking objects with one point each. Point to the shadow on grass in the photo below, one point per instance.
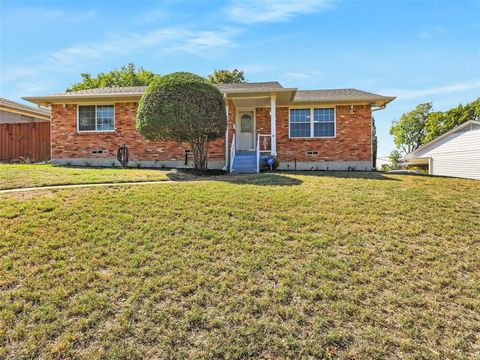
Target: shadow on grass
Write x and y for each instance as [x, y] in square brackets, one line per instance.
[267, 179]
[368, 175]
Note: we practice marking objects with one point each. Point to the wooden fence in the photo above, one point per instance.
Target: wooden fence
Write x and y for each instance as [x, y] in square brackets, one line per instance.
[25, 140]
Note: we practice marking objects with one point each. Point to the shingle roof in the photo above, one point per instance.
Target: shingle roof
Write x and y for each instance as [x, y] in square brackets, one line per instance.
[259, 86]
[139, 90]
[336, 95]
[14, 105]
[331, 95]
[123, 90]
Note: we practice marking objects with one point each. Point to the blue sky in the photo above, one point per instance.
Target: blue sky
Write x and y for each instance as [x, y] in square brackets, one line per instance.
[419, 51]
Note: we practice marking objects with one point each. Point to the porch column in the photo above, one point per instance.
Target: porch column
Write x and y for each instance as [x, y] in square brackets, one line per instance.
[273, 123]
[227, 158]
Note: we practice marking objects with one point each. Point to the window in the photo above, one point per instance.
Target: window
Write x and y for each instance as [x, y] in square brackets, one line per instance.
[246, 124]
[300, 123]
[323, 122]
[96, 118]
[312, 123]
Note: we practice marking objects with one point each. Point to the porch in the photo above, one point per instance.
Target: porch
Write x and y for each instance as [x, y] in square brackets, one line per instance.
[251, 134]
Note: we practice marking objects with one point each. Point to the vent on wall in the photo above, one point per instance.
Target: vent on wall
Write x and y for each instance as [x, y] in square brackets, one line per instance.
[312, 153]
[101, 151]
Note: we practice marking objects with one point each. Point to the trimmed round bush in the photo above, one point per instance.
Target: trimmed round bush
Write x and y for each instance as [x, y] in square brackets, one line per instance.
[183, 107]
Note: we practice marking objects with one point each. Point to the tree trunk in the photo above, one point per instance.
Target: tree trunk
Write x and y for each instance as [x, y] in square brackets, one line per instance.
[200, 153]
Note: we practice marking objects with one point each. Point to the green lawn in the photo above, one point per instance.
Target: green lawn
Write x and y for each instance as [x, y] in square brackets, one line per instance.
[20, 175]
[325, 265]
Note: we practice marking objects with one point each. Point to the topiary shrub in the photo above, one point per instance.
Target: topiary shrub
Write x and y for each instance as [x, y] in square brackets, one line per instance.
[183, 107]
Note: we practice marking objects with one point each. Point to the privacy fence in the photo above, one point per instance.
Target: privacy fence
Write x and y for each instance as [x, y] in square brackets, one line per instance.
[25, 141]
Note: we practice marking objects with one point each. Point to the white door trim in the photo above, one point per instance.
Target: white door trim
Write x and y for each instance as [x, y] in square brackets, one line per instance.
[237, 125]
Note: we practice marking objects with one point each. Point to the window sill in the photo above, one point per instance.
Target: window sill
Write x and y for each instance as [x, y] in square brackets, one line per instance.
[313, 138]
[96, 132]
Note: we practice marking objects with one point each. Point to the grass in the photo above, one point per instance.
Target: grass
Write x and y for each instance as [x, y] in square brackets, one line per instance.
[326, 265]
[23, 175]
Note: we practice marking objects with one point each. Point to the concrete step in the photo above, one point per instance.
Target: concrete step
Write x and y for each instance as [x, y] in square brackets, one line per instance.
[245, 162]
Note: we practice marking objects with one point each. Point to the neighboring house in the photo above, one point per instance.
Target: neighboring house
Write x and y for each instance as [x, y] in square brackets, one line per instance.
[306, 130]
[383, 160]
[455, 153]
[24, 132]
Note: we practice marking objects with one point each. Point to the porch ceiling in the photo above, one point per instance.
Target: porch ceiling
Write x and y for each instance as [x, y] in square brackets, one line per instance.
[262, 99]
[252, 102]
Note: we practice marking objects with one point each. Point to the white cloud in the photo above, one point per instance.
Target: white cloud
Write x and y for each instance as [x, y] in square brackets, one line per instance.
[77, 58]
[258, 11]
[432, 32]
[438, 90]
[301, 75]
[165, 39]
[62, 16]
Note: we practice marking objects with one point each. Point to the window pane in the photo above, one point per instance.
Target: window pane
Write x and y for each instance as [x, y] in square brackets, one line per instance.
[300, 130]
[86, 118]
[324, 115]
[246, 124]
[105, 117]
[323, 129]
[299, 115]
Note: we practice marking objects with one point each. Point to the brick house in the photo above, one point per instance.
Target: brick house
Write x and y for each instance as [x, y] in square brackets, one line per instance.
[304, 129]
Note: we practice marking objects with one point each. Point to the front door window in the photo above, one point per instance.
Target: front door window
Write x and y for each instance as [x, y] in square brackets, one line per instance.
[247, 129]
[246, 125]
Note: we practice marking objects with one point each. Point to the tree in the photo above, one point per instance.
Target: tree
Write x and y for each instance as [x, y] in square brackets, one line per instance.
[183, 107]
[374, 143]
[409, 131]
[395, 156]
[439, 123]
[421, 125]
[222, 76]
[126, 76]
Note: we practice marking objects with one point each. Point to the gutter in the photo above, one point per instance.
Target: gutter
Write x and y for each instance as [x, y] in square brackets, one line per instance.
[379, 108]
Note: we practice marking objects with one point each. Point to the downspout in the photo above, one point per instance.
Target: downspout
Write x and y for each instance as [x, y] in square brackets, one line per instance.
[371, 127]
[226, 135]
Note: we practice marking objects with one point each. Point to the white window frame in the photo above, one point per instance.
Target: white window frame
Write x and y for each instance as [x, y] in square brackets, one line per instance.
[96, 123]
[312, 121]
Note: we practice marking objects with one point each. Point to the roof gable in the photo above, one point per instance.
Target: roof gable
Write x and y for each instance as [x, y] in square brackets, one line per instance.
[466, 126]
[6, 104]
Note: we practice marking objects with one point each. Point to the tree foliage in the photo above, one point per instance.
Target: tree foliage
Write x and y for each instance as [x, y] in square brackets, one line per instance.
[222, 76]
[394, 156]
[125, 76]
[439, 123]
[422, 125]
[183, 107]
[409, 131]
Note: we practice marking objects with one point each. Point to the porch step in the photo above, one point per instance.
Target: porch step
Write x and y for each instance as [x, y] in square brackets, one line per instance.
[245, 162]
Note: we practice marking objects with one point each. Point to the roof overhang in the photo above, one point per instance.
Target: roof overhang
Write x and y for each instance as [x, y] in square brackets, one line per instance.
[378, 102]
[284, 97]
[25, 112]
[94, 98]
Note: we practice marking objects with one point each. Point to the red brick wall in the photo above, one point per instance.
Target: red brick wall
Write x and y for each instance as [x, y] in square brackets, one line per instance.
[353, 141]
[68, 143]
[231, 122]
[263, 120]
